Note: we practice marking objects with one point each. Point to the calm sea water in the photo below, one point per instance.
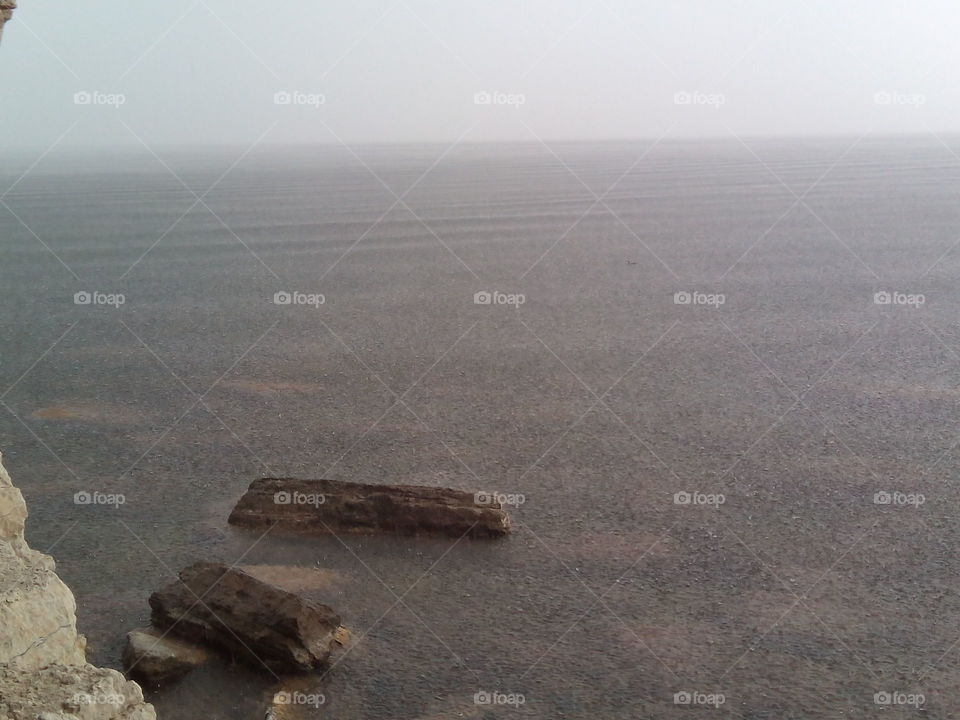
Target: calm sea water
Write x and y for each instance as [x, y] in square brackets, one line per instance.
[697, 318]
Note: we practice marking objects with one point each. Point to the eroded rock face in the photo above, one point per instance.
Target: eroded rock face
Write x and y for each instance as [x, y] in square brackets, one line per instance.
[37, 613]
[69, 692]
[329, 506]
[38, 623]
[6, 12]
[43, 670]
[257, 621]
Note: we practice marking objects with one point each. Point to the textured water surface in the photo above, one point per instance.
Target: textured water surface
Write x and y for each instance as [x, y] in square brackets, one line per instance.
[782, 386]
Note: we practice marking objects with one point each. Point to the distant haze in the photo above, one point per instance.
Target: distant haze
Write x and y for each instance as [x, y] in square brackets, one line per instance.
[229, 71]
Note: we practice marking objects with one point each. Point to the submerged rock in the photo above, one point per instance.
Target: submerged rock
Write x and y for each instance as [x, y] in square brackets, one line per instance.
[329, 506]
[157, 658]
[230, 609]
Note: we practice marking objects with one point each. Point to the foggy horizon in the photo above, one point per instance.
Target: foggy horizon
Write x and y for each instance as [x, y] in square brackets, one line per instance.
[209, 73]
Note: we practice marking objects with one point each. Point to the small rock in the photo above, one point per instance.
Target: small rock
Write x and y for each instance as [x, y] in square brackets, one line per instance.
[156, 658]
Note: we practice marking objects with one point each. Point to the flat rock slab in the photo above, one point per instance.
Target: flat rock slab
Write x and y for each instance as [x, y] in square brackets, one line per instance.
[330, 506]
[155, 657]
[252, 619]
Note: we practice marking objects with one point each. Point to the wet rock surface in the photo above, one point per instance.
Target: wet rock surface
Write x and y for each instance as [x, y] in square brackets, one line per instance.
[329, 506]
[262, 623]
[156, 658]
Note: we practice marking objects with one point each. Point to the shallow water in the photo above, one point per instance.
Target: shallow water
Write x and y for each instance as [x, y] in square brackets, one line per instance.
[797, 399]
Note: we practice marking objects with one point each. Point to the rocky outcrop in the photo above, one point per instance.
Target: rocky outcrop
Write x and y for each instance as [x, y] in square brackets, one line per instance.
[37, 611]
[262, 623]
[329, 506]
[6, 12]
[155, 657]
[70, 692]
[43, 669]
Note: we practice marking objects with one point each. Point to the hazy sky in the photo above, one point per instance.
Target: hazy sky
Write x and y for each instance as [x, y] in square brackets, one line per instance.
[208, 71]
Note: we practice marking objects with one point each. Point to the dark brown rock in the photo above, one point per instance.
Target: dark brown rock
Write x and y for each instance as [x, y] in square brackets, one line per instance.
[250, 618]
[329, 506]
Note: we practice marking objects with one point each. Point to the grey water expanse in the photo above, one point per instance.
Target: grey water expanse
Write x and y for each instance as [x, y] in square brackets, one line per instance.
[737, 461]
